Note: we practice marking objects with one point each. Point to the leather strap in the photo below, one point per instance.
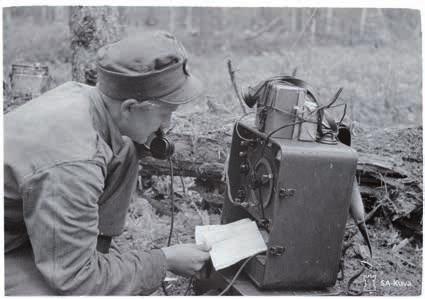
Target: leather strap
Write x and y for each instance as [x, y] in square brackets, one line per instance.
[103, 244]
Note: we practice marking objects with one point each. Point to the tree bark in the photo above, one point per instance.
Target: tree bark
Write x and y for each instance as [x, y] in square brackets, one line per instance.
[91, 28]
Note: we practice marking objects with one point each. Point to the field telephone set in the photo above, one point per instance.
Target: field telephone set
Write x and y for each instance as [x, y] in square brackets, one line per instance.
[291, 173]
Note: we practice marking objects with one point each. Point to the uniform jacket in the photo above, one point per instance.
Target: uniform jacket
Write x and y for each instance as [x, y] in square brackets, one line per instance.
[59, 152]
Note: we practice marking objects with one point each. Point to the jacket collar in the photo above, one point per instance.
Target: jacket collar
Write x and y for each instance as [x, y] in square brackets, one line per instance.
[104, 123]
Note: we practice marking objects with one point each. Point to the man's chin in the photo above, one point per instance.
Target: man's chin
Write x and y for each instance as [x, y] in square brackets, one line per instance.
[142, 150]
[143, 140]
[149, 139]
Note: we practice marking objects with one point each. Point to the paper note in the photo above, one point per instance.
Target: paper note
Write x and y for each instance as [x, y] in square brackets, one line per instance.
[231, 242]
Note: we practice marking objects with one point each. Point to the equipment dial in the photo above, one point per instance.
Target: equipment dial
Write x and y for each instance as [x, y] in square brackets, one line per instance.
[263, 182]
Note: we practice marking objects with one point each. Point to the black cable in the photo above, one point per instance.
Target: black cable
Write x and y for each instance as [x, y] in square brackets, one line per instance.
[343, 115]
[172, 201]
[261, 202]
[348, 290]
[172, 222]
[274, 132]
[172, 214]
[237, 127]
[259, 191]
[236, 275]
[188, 286]
[163, 288]
[283, 127]
[262, 154]
[329, 131]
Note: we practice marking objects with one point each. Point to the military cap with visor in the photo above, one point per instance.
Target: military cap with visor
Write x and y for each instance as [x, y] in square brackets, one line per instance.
[149, 66]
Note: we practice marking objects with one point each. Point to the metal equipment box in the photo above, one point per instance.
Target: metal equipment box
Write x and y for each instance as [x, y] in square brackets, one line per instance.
[299, 194]
[284, 103]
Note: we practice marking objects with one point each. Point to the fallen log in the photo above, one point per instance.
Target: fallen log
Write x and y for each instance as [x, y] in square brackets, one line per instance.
[389, 168]
[203, 170]
[204, 156]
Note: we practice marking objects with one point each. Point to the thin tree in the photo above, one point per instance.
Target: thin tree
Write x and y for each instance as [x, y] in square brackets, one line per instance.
[91, 28]
[329, 17]
[363, 21]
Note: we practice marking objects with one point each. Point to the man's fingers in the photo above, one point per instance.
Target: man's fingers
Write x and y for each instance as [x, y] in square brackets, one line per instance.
[204, 247]
[202, 257]
[205, 256]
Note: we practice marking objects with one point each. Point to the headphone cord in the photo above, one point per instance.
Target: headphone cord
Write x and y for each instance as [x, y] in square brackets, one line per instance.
[189, 285]
[236, 276]
[170, 163]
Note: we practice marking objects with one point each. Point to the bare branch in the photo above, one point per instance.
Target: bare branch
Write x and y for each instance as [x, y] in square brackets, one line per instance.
[235, 87]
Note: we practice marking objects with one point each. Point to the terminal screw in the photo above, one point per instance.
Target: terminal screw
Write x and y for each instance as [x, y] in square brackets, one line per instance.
[265, 178]
[241, 194]
[265, 223]
[244, 168]
[244, 205]
[242, 154]
[244, 143]
[285, 193]
[277, 250]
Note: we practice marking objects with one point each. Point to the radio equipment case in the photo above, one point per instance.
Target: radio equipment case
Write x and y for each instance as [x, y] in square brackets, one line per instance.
[299, 194]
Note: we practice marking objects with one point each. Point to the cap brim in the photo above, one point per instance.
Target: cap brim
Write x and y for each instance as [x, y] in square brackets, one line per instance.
[192, 89]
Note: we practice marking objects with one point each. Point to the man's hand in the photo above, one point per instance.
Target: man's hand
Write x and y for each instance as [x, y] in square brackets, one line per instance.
[186, 259]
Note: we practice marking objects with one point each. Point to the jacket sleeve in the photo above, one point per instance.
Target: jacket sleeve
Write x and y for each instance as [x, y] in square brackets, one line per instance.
[61, 216]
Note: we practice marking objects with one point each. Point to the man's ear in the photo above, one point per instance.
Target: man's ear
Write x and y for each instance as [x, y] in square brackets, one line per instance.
[127, 106]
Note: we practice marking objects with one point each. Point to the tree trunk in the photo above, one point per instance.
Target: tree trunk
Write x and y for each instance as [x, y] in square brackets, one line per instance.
[363, 21]
[329, 13]
[151, 18]
[7, 18]
[313, 31]
[293, 19]
[203, 28]
[172, 19]
[91, 28]
[188, 20]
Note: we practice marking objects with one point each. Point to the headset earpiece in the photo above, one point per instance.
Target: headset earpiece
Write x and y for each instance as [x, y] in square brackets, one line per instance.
[160, 147]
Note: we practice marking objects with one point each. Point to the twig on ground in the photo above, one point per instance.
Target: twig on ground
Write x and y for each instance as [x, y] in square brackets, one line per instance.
[386, 195]
[348, 290]
[405, 261]
[235, 87]
[201, 215]
[372, 213]
[400, 245]
[183, 185]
